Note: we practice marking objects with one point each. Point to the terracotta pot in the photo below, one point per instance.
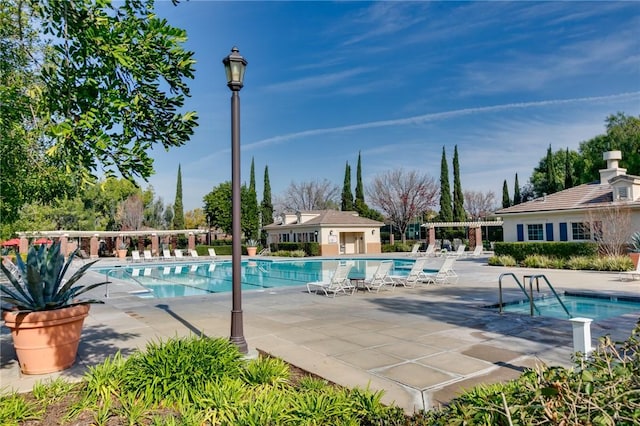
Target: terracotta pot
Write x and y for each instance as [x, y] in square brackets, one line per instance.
[251, 251]
[122, 254]
[635, 257]
[46, 341]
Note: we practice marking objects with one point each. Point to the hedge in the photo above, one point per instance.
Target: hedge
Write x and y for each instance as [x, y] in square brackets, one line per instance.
[561, 250]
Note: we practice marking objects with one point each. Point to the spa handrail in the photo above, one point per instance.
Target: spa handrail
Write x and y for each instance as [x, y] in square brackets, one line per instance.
[553, 290]
[529, 296]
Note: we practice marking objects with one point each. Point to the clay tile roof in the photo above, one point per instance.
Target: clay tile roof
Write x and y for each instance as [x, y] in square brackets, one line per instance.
[579, 197]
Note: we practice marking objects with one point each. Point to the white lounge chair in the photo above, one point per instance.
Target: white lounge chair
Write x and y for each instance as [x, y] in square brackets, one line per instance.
[630, 275]
[459, 252]
[147, 255]
[477, 251]
[212, 252]
[445, 274]
[339, 282]
[414, 249]
[380, 277]
[166, 254]
[194, 254]
[135, 256]
[430, 251]
[416, 274]
[178, 254]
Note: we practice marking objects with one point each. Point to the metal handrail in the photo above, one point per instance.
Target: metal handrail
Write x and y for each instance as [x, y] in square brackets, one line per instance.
[529, 295]
[553, 290]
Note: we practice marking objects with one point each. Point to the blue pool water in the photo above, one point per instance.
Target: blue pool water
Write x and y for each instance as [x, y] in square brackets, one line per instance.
[578, 305]
[192, 279]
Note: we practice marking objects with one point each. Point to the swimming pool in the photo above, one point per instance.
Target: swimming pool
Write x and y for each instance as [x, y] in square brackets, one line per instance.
[193, 279]
[589, 305]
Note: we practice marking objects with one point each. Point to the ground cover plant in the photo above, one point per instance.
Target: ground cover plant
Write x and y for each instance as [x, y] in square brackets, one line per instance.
[585, 263]
[202, 381]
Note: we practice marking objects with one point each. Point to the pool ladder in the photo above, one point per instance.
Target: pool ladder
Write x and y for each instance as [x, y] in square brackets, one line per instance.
[532, 306]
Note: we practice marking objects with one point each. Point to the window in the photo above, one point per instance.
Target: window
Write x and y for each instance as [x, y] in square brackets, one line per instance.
[535, 232]
[580, 231]
[623, 193]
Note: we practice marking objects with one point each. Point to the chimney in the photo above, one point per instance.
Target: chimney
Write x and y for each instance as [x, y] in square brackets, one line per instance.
[612, 170]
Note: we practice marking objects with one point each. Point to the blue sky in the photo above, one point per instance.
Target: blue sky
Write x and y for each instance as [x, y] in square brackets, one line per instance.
[397, 81]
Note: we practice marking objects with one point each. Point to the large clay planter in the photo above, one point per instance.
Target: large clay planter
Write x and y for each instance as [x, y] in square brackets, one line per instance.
[251, 251]
[635, 257]
[122, 254]
[46, 341]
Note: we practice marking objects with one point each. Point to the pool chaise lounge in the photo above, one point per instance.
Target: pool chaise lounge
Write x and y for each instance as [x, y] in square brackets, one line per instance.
[444, 275]
[416, 274]
[338, 283]
[381, 278]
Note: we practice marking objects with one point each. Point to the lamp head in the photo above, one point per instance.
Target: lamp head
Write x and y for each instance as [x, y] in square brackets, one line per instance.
[234, 67]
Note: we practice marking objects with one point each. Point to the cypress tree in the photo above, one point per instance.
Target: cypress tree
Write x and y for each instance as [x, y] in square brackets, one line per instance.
[359, 204]
[347, 196]
[266, 206]
[252, 207]
[446, 212]
[517, 198]
[459, 214]
[551, 173]
[178, 209]
[506, 202]
[568, 171]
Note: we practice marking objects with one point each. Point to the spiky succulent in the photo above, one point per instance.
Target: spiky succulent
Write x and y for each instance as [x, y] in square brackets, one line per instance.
[635, 242]
[39, 284]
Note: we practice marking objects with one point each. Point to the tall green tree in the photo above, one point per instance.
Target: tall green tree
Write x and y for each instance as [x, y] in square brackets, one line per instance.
[94, 85]
[267, 204]
[347, 195]
[568, 171]
[517, 198]
[459, 215]
[551, 177]
[252, 205]
[506, 202]
[446, 210]
[178, 208]
[359, 203]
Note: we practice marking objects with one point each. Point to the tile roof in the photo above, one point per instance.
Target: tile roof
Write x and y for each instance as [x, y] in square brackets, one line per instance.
[588, 195]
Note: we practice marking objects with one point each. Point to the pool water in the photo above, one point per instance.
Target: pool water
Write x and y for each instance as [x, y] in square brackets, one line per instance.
[578, 305]
[193, 279]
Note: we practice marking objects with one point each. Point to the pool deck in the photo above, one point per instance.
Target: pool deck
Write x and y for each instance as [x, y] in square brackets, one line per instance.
[421, 346]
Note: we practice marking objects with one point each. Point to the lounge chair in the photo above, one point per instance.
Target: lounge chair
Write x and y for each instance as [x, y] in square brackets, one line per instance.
[147, 255]
[414, 249]
[178, 254]
[212, 252]
[459, 252]
[339, 282]
[265, 252]
[135, 256]
[166, 254]
[630, 275]
[194, 254]
[430, 251]
[381, 277]
[477, 251]
[445, 274]
[416, 274]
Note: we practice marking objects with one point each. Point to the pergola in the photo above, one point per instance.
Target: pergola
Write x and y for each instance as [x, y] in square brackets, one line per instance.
[66, 246]
[475, 228]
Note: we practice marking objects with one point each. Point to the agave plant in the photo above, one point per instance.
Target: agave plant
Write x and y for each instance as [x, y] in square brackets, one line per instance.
[635, 242]
[39, 284]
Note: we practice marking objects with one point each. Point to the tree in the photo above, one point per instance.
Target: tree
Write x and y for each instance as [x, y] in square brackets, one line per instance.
[251, 208]
[458, 198]
[568, 171]
[267, 205]
[178, 209]
[130, 213]
[403, 196]
[312, 195]
[217, 206]
[167, 216]
[552, 185]
[611, 228]
[517, 198]
[100, 87]
[194, 219]
[360, 204]
[479, 204]
[446, 212]
[541, 174]
[347, 196]
[506, 202]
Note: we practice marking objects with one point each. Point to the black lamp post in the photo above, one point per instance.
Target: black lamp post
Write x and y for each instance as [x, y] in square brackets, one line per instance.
[234, 66]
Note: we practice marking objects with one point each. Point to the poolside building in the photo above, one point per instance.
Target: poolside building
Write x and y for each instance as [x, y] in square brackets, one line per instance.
[337, 232]
[583, 213]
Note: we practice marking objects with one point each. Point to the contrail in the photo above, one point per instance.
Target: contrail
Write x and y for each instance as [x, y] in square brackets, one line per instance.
[435, 116]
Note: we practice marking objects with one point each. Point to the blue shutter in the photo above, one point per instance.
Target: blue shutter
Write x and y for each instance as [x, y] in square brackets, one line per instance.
[549, 230]
[520, 231]
[563, 232]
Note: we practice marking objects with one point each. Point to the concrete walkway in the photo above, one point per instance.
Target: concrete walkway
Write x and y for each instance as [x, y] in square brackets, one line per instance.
[421, 346]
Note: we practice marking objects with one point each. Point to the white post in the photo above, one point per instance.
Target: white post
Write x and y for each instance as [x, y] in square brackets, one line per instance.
[582, 335]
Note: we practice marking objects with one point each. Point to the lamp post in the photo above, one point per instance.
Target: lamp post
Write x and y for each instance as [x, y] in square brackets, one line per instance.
[234, 66]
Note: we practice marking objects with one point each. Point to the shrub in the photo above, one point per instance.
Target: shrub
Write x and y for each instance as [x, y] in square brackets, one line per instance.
[536, 261]
[562, 250]
[504, 260]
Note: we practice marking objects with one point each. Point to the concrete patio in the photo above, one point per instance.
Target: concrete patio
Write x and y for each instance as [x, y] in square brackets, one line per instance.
[421, 346]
